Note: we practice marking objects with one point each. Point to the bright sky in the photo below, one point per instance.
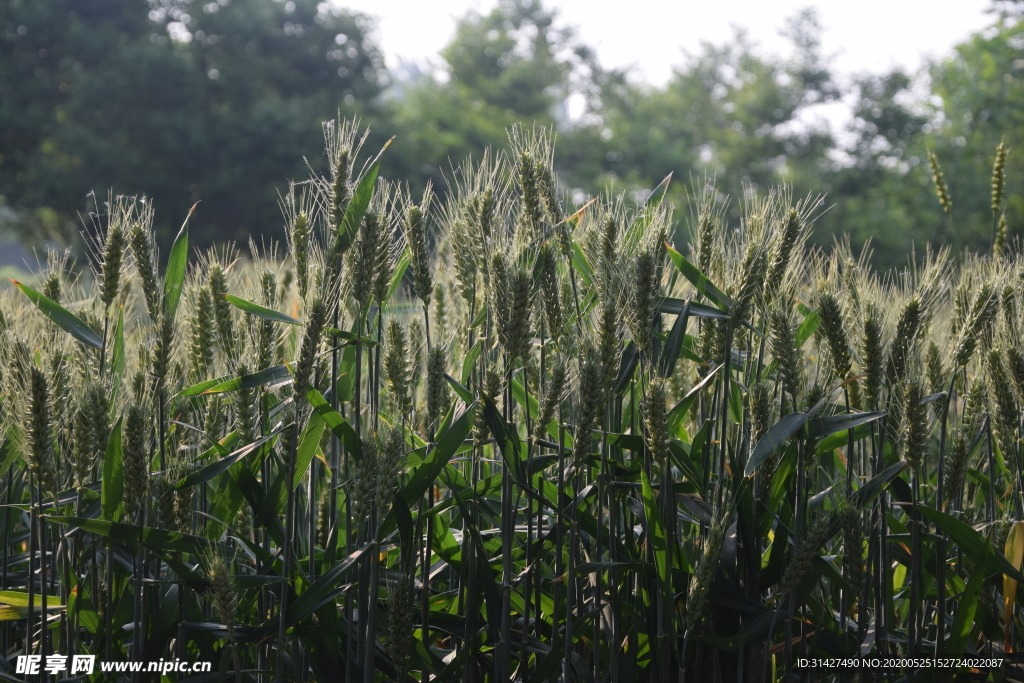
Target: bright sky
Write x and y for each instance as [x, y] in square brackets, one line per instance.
[653, 35]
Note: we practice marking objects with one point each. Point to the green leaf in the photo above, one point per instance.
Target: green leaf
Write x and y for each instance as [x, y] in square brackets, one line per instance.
[754, 630]
[963, 622]
[62, 317]
[307, 447]
[112, 491]
[117, 351]
[356, 209]
[673, 306]
[519, 394]
[470, 360]
[820, 427]
[680, 409]
[251, 381]
[335, 422]
[159, 539]
[205, 474]
[464, 393]
[808, 327]
[509, 444]
[481, 316]
[869, 491]
[638, 227]
[8, 453]
[199, 388]
[400, 267]
[10, 613]
[779, 433]
[655, 528]
[447, 444]
[670, 352]
[842, 438]
[346, 375]
[261, 311]
[323, 589]
[19, 599]
[174, 277]
[351, 337]
[444, 544]
[581, 264]
[699, 280]
[970, 541]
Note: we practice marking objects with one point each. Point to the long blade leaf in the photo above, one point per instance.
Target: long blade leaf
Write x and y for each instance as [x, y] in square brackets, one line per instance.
[63, 318]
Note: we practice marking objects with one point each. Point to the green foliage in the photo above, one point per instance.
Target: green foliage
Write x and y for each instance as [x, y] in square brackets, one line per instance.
[181, 102]
[173, 101]
[683, 478]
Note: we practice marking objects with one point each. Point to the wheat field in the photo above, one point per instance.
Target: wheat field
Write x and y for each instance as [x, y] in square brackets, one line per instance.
[479, 436]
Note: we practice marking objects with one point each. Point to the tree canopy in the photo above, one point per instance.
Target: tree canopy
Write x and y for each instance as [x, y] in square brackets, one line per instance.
[221, 102]
[180, 102]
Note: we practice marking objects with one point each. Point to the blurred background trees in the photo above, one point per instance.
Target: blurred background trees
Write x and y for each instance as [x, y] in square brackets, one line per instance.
[221, 102]
[178, 101]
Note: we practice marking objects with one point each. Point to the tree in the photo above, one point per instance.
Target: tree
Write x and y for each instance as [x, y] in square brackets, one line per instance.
[981, 87]
[179, 101]
[513, 65]
[727, 112]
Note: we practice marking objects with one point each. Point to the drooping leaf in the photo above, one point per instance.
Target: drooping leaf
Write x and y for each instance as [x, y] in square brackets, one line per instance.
[447, 444]
[869, 491]
[159, 539]
[699, 280]
[678, 412]
[260, 311]
[366, 342]
[464, 393]
[683, 461]
[335, 422]
[970, 541]
[673, 306]
[842, 438]
[820, 427]
[205, 474]
[62, 317]
[250, 381]
[325, 588]
[199, 388]
[779, 433]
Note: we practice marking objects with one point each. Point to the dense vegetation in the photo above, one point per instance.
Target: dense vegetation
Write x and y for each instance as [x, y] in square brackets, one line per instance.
[554, 445]
[220, 101]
